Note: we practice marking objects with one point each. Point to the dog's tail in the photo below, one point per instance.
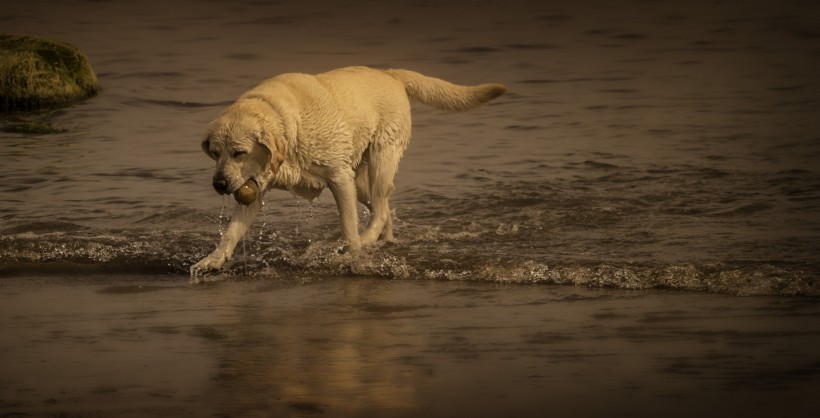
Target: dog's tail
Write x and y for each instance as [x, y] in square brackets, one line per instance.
[445, 95]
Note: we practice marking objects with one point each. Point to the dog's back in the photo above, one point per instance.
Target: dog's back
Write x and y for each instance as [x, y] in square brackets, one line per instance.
[361, 91]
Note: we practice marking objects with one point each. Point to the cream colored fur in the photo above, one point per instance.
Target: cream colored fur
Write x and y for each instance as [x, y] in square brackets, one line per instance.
[344, 130]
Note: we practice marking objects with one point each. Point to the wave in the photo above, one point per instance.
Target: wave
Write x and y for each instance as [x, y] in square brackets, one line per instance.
[423, 253]
[605, 225]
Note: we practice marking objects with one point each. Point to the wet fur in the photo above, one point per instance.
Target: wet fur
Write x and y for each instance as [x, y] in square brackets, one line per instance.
[344, 130]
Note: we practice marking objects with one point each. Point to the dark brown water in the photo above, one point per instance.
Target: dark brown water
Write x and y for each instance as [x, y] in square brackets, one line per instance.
[643, 145]
[372, 348]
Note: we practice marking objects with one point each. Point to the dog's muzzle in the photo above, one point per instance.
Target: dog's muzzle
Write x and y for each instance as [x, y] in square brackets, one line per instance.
[221, 185]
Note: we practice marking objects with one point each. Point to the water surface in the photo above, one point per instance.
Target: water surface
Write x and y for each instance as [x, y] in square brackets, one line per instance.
[654, 144]
[375, 348]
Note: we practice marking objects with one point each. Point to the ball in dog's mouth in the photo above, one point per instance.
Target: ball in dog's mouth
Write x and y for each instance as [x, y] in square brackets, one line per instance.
[247, 193]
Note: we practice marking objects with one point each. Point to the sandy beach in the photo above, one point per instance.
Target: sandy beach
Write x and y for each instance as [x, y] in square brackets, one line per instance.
[384, 348]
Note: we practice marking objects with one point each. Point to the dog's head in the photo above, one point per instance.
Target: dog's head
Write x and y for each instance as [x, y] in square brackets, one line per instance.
[243, 143]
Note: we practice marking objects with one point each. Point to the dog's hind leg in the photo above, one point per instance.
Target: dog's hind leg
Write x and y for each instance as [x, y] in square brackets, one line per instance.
[363, 194]
[382, 167]
[363, 184]
[343, 187]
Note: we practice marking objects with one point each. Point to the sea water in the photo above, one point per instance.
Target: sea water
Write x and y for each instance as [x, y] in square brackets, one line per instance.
[654, 145]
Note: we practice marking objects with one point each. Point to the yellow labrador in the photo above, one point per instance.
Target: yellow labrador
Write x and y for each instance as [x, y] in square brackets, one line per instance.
[345, 130]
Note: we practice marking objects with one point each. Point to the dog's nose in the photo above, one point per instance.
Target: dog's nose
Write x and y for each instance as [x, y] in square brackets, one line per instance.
[221, 185]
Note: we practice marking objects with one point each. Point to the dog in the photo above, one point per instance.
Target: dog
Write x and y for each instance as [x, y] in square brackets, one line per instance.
[344, 130]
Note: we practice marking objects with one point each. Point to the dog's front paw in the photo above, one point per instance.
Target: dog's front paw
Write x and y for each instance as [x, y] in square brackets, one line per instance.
[212, 262]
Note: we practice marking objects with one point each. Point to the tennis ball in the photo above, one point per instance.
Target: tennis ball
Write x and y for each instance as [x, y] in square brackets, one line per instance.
[247, 193]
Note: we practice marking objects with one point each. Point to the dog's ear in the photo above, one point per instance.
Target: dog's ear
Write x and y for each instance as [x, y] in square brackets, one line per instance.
[276, 163]
[274, 140]
[277, 154]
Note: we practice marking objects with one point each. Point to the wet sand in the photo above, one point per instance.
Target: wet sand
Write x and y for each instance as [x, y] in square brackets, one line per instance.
[380, 348]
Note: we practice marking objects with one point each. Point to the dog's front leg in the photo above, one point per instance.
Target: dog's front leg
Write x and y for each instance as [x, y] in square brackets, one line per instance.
[343, 187]
[241, 221]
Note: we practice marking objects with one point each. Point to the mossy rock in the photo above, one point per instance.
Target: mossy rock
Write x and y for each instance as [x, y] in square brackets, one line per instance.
[37, 73]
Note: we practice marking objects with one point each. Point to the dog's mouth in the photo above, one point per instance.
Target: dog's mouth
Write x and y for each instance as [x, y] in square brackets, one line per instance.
[236, 186]
[223, 186]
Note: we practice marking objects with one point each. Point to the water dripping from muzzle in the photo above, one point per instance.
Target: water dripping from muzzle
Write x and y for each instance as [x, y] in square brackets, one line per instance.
[222, 221]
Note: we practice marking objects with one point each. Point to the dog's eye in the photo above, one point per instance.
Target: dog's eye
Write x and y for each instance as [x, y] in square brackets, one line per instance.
[239, 152]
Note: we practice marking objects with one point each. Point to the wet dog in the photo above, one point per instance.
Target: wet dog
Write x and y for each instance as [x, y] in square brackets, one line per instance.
[344, 130]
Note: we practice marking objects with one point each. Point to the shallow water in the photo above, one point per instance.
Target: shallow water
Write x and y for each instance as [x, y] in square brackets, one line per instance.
[377, 348]
[655, 144]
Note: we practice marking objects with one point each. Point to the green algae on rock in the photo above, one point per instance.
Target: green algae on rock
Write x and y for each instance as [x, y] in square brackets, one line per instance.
[38, 73]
